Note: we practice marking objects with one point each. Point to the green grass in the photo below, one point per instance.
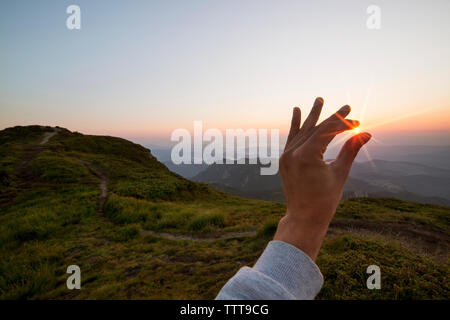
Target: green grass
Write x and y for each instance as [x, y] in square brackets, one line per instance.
[13, 144]
[404, 275]
[57, 169]
[394, 210]
[53, 221]
[223, 215]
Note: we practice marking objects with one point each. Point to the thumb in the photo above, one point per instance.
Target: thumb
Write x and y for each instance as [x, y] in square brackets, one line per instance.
[350, 150]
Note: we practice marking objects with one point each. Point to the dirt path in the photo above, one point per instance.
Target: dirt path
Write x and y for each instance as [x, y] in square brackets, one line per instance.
[48, 136]
[419, 238]
[36, 149]
[25, 173]
[200, 237]
[101, 175]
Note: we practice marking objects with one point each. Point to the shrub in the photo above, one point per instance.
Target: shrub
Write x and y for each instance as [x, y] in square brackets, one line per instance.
[126, 233]
[269, 228]
[208, 220]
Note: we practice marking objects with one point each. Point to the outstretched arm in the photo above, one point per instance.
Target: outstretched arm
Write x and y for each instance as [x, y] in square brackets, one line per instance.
[312, 188]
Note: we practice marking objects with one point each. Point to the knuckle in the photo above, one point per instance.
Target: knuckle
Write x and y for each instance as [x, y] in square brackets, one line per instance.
[302, 157]
[285, 159]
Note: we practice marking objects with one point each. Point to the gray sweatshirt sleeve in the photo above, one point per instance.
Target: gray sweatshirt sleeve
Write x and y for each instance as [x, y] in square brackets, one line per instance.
[282, 272]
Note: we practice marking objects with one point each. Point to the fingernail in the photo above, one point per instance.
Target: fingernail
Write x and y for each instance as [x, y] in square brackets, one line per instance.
[345, 108]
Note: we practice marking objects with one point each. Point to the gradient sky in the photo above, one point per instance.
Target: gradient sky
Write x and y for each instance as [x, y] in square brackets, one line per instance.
[140, 69]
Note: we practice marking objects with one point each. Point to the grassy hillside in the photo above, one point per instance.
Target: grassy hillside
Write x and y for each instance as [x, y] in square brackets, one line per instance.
[139, 231]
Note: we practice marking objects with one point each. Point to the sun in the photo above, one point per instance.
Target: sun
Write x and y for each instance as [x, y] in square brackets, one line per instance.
[356, 130]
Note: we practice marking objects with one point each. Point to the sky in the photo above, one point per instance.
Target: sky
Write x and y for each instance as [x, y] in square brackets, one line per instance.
[141, 69]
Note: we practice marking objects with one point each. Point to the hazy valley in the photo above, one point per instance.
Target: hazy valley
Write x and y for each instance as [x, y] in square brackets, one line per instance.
[412, 173]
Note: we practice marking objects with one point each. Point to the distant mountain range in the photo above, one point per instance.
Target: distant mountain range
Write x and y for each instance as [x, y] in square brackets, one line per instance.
[378, 178]
[186, 170]
[433, 156]
[414, 173]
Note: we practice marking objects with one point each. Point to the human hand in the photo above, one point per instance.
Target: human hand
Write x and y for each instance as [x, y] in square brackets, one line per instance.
[312, 187]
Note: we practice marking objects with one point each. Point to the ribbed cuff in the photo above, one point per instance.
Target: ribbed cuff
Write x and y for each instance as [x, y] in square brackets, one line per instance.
[292, 268]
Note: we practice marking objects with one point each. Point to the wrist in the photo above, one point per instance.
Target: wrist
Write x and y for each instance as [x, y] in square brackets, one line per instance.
[305, 235]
